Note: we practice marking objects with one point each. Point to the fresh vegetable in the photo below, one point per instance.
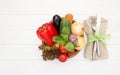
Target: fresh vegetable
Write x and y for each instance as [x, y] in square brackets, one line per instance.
[81, 43]
[59, 39]
[63, 49]
[65, 28]
[69, 46]
[70, 17]
[77, 28]
[56, 22]
[73, 38]
[63, 38]
[46, 32]
[49, 53]
[62, 57]
[69, 54]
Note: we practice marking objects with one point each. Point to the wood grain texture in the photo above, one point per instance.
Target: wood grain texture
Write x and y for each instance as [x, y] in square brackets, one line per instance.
[19, 53]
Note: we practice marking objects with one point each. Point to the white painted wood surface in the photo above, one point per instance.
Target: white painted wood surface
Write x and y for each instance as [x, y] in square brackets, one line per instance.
[19, 54]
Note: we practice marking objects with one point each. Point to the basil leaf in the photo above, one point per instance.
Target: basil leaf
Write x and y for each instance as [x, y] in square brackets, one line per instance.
[69, 46]
[59, 39]
[64, 36]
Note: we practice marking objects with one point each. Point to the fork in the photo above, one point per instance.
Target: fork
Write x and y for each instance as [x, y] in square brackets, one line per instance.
[96, 44]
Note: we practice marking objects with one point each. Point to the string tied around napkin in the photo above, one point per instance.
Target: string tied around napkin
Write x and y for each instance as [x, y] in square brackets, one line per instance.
[99, 37]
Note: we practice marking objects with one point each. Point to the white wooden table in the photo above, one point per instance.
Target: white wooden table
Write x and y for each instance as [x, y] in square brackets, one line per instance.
[19, 20]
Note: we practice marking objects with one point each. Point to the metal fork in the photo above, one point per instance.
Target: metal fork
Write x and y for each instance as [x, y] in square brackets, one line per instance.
[96, 44]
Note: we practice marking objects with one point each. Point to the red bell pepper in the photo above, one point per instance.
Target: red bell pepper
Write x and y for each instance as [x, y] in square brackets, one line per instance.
[46, 32]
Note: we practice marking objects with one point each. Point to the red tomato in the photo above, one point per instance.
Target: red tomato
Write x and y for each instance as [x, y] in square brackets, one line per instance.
[62, 57]
[62, 49]
[69, 54]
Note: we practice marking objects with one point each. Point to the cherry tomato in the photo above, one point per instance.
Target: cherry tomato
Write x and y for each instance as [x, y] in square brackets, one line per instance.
[62, 49]
[69, 54]
[62, 57]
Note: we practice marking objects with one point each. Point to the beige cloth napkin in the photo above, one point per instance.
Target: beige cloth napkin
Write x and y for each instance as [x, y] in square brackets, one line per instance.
[102, 47]
[88, 30]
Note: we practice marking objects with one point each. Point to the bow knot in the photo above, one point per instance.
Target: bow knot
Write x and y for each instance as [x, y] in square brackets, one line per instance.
[99, 37]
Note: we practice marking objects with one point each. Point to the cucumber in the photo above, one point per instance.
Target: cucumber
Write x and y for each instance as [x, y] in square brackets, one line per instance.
[65, 28]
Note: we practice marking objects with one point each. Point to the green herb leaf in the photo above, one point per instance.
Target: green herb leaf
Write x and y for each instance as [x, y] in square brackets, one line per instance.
[70, 46]
[59, 39]
[64, 36]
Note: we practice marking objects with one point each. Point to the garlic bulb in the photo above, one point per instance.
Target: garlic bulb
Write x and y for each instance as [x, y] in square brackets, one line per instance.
[73, 38]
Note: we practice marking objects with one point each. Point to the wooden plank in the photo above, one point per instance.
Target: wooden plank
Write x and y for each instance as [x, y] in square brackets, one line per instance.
[18, 29]
[19, 52]
[30, 37]
[31, 53]
[55, 67]
[19, 36]
[48, 6]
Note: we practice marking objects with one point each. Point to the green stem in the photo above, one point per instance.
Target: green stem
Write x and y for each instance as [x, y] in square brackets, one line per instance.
[44, 27]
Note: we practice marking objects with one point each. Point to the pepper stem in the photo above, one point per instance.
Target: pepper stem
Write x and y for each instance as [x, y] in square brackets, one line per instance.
[43, 27]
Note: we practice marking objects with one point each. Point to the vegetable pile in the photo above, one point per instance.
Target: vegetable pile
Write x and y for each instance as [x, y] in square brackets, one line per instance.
[62, 38]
